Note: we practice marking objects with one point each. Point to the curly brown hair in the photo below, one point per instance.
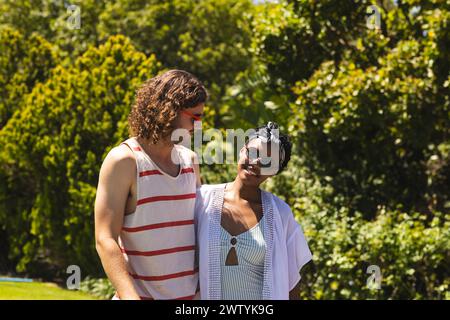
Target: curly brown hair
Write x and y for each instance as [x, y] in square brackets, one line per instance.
[158, 101]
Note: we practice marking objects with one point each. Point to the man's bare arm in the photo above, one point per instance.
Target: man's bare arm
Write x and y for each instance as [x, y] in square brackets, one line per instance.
[116, 178]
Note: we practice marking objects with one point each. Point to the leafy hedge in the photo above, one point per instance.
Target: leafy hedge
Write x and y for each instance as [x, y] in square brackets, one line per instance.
[369, 111]
[411, 249]
[24, 62]
[54, 148]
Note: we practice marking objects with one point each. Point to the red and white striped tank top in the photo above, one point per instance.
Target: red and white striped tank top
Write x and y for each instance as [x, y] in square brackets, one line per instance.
[158, 239]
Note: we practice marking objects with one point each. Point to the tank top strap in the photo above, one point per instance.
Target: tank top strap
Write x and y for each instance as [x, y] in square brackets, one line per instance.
[138, 153]
[133, 144]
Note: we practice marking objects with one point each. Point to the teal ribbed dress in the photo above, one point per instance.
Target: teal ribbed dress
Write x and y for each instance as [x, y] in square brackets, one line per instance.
[245, 280]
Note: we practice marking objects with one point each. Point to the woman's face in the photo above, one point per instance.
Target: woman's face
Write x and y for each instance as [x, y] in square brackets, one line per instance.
[254, 163]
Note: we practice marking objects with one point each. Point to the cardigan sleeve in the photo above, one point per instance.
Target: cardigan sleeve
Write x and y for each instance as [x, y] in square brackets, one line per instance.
[298, 253]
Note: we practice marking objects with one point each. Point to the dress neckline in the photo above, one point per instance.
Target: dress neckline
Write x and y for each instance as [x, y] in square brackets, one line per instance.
[240, 235]
[246, 231]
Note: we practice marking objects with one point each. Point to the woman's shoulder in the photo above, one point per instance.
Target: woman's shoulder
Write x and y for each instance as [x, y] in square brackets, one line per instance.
[282, 208]
[280, 203]
[286, 216]
[207, 189]
[204, 198]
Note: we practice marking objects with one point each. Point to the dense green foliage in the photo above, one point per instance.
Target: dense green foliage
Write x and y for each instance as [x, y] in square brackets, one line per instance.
[54, 148]
[368, 110]
[24, 62]
[411, 249]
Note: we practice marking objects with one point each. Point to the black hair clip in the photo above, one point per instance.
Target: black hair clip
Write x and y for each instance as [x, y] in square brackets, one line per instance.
[271, 136]
[266, 133]
[272, 125]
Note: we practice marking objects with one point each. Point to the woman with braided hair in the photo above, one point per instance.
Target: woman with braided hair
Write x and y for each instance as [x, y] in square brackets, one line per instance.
[250, 245]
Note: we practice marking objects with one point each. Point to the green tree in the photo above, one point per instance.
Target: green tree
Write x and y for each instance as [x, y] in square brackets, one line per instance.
[294, 37]
[53, 151]
[24, 62]
[410, 249]
[52, 19]
[208, 38]
[31, 16]
[382, 132]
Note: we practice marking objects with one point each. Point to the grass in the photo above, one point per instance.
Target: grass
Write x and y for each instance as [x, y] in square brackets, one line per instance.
[39, 291]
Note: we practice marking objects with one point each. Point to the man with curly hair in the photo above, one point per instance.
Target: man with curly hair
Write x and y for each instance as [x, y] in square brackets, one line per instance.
[144, 208]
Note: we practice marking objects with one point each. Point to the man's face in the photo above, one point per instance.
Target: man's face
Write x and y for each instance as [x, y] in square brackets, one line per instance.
[187, 117]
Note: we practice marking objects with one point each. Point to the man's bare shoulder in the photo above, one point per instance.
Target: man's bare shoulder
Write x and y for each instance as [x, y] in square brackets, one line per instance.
[121, 160]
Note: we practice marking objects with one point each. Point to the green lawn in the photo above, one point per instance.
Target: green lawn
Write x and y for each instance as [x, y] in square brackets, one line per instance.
[39, 291]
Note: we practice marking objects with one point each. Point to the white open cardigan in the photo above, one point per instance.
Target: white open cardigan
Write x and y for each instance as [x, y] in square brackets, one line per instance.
[286, 248]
